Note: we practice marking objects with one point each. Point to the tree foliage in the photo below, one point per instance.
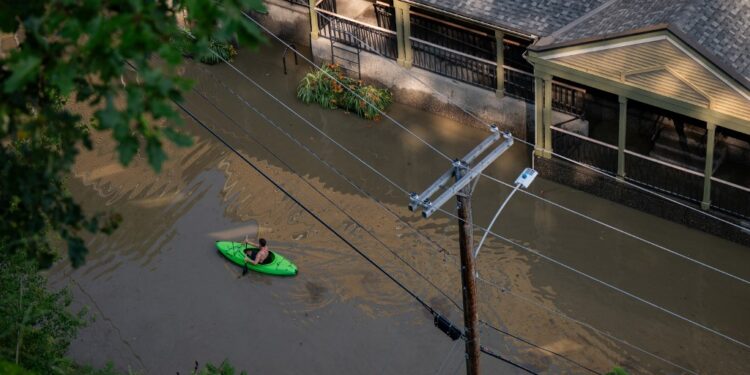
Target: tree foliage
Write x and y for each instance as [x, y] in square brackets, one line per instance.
[36, 326]
[76, 54]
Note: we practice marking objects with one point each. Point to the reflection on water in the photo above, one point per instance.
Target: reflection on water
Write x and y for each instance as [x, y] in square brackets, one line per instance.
[161, 209]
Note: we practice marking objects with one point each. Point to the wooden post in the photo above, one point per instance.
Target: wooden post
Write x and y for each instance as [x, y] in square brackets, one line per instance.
[538, 115]
[710, 140]
[547, 116]
[408, 54]
[468, 281]
[403, 32]
[500, 60]
[314, 30]
[621, 136]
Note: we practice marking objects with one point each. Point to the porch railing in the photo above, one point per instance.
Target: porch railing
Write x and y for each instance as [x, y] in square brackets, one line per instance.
[358, 34]
[653, 173]
[384, 15]
[568, 99]
[454, 64]
[730, 198]
[456, 37]
[592, 152]
[519, 84]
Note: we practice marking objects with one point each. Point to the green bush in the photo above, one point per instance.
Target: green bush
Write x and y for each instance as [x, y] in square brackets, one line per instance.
[186, 45]
[319, 87]
[224, 49]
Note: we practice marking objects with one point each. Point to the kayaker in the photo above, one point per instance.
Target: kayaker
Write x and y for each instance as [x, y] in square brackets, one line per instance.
[257, 255]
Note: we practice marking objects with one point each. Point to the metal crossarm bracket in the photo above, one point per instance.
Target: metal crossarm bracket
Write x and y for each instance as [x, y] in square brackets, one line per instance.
[467, 174]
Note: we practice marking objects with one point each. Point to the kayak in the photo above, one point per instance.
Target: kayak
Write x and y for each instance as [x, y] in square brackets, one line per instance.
[275, 264]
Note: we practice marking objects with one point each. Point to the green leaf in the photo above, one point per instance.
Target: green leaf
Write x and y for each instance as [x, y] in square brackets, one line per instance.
[23, 71]
[180, 139]
[127, 148]
[156, 155]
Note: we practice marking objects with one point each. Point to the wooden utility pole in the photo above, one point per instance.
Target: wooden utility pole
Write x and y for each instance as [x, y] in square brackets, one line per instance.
[468, 281]
[462, 188]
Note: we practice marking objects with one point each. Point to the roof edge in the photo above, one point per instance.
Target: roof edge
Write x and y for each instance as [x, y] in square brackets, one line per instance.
[681, 36]
[504, 28]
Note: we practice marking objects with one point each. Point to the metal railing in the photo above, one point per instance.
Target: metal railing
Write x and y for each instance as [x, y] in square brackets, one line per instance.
[452, 36]
[385, 15]
[454, 64]
[357, 34]
[595, 153]
[519, 84]
[659, 175]
[653, 173]
[568, 99]
[730, 198]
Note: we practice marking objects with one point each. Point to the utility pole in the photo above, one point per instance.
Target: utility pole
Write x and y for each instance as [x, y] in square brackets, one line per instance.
[468, 281]
[462, 189]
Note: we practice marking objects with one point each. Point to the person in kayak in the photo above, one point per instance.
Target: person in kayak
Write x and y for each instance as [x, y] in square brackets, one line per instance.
[257, 255]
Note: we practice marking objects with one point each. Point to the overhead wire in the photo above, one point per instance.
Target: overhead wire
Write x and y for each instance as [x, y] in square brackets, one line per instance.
[447, 252]
[569, 210]
[332, 230]
[362, 190]
[505, 290]
[539, 254]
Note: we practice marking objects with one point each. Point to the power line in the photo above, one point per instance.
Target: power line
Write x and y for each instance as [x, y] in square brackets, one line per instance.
[327, 226]
[609, 226]
[502, 289]
[534, 146]
[611, 286]
[550, 259]
[310, 151]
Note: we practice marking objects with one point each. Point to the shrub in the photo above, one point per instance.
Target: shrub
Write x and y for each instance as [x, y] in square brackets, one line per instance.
[186, 45]
[224, 49]
[319, 87]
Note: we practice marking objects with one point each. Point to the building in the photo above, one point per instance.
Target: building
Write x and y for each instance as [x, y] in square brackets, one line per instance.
[656, 93]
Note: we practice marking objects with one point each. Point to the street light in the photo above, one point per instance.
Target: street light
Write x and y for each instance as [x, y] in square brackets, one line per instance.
[524, 180]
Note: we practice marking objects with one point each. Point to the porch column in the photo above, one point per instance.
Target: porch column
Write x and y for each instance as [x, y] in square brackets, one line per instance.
[403, 32]
[500, 60]
[314, 30]
[538, 114]
[621, 136]
[710, 140]
[547, 117]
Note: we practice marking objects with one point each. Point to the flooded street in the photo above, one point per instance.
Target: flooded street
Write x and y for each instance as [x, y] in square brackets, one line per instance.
[164, 298]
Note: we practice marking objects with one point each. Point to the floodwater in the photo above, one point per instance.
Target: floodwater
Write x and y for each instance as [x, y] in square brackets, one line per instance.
[163, 298]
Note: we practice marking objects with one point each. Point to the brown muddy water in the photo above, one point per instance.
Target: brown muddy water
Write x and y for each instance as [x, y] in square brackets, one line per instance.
[163, 298]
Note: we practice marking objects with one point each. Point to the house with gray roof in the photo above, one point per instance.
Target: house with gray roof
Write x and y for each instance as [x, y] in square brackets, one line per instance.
[656, 93]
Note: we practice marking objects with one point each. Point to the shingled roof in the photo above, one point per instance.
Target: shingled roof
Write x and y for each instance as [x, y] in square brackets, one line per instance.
[535, 17]
[719, 29]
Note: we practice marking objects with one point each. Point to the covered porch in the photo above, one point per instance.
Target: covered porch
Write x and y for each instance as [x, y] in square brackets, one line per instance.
[474, 53]
[660, 114]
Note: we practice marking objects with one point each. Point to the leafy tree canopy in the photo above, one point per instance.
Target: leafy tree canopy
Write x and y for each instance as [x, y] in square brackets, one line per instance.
[36, 326]
[73, 54]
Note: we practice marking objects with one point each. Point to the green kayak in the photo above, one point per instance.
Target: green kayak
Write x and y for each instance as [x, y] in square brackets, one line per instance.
[275, 264]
